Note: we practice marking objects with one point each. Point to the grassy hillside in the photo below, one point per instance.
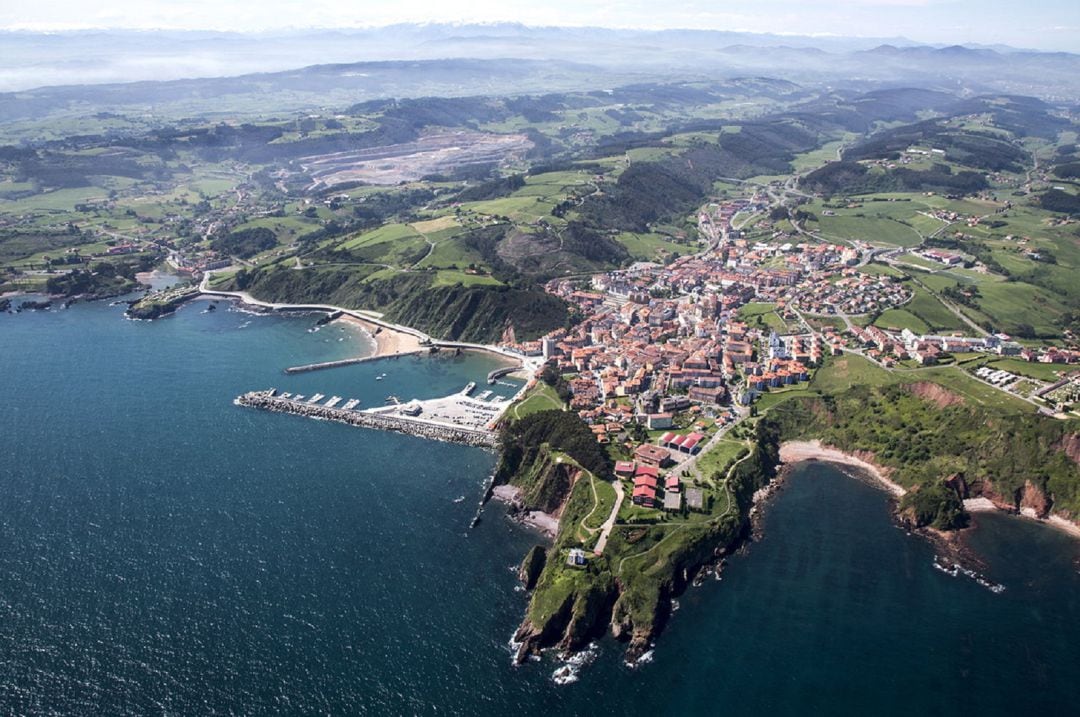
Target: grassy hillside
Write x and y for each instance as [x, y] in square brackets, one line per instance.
[927, 433]
[455, 312]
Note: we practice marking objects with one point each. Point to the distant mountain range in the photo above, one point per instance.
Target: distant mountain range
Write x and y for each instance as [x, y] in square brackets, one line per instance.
[367, 63]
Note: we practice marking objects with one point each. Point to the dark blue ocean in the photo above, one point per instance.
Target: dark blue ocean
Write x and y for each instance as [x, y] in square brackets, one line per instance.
[163, 551]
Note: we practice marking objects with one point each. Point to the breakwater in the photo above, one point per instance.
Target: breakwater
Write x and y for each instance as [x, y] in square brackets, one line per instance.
[270, 401]
[350, 361]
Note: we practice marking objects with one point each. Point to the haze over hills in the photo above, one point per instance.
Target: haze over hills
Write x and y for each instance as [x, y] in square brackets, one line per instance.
[36, 60]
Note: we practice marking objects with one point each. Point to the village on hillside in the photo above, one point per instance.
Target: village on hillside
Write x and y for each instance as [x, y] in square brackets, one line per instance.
[666, 359]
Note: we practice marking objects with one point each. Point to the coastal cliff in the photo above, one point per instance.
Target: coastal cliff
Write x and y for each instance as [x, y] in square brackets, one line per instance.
[943, 449]
[456, 313]
[627, 588]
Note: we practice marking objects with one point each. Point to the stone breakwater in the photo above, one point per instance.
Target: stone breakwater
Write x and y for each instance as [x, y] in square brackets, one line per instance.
[349, 362]
[270, 401]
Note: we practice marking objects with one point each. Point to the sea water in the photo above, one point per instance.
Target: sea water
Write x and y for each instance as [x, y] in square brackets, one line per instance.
[164, 551]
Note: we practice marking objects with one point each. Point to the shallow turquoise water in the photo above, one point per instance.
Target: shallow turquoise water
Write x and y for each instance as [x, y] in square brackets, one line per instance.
[162, 550]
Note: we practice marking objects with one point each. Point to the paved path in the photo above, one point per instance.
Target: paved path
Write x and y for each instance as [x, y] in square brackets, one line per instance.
[605, 529]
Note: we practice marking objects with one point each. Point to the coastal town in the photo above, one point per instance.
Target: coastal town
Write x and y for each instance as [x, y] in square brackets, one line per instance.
[668, 358]
[665, 360]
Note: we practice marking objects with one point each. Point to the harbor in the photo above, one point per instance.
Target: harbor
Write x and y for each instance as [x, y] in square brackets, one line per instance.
[458, 418]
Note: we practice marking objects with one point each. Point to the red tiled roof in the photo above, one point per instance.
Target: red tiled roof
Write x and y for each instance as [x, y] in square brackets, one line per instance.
[646, 491]
[647, 471]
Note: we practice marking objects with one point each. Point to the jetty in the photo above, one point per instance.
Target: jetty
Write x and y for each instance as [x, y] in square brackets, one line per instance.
[351, 361]
[498, 373]
[270, 400]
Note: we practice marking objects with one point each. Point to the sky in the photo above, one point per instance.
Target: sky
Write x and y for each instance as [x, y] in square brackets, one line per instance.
[1037, 24]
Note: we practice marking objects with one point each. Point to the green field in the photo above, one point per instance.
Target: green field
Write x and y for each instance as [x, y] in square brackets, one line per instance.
[540, 397]
[652, 246]
[451, 277]
[763, 313]
[517, 208]
[60, 200]
[928, 308]
[385, 233]
[842, 372]
[901, 319]
[1008, 304]
[776, 396]
[1042, 371]
[451, 253]
[873, 269]
[875, 230]
[714, 462]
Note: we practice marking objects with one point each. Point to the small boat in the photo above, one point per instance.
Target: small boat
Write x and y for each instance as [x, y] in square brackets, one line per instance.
[459, 499]
[378, 378]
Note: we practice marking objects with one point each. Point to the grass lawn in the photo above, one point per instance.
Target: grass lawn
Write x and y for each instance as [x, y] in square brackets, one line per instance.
[60, 200]
[901, 319]
[1008, 304]
[874, 269]
[452, 253]
[540, 397]
[764, 312]
[929, 309]
[880, 230]
[774, 397]
[605, 494]
[1042, 371]
[450, 277]
[431, 226]
[718, 458]
[841, 372]
[520, 209]
[649, 246]
[385, 233]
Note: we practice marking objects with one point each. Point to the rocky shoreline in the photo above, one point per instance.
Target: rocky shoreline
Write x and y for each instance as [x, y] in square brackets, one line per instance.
[953, 556]
[270, 401]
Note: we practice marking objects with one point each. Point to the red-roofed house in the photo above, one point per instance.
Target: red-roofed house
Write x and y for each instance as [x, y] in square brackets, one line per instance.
[647, 472]
[652, 455]
[644, 495]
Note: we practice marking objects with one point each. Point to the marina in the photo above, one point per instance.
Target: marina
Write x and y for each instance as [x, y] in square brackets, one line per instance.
[442, 421]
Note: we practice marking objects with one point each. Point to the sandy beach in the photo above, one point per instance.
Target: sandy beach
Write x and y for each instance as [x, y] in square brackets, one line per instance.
[795, 451]
[388, 342]
[979, 505]
[1066, 525]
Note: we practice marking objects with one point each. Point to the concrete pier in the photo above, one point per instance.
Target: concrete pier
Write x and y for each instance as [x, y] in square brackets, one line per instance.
[271, 401]
[349, 361]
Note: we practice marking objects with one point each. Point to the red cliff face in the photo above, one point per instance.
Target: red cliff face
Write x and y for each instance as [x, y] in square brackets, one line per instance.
[1029, 498]
[1070, 446]
[936, 394]
[1032, 497]
[1002, 500]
